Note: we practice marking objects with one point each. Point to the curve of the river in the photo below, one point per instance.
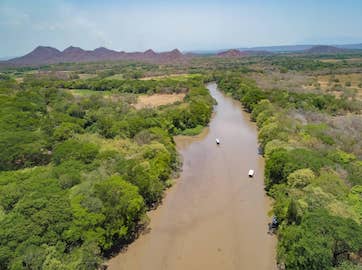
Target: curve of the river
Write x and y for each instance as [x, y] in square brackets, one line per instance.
[215, 216]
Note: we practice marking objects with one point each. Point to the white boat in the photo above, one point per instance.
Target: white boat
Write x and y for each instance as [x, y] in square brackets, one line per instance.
[251, 173]
[217, 141]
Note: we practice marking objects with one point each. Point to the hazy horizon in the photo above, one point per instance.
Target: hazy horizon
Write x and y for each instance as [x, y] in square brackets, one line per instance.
[186, 25]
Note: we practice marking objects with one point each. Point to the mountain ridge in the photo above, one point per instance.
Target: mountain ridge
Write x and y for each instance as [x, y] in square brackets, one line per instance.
[43, 55]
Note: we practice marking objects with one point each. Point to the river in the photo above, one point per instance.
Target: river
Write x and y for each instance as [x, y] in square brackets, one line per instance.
[215, 216]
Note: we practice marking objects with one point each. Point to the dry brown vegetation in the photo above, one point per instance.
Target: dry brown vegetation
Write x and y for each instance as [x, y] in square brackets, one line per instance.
[157, 100]
[85, 76]
[292, 81]
[349, 84]
[164, 76]
[338, 84]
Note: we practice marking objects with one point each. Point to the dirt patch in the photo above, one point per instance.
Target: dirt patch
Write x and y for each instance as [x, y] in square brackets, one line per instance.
[157, 100]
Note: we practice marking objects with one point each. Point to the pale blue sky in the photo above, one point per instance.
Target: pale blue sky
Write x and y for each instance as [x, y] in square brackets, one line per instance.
[184, 24]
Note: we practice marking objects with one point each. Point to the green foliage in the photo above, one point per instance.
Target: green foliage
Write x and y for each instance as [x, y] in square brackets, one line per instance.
[300, 178]
[355, 172]
[318, 212]
[319, 131]
[193, 131]
[122, 207]
[281, 163]
[331, 183]
[74, 149]
[273, 145]
[354, 198]
[66, 131]
[320, 242]
[348, 266]
[77, 173]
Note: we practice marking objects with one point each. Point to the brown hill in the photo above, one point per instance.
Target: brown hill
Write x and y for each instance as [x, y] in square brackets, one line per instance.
[48, 55]
[39, 55]
[172, 55]
[233, 53]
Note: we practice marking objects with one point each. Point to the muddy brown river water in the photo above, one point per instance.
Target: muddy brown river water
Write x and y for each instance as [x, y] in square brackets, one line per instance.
[215, 216]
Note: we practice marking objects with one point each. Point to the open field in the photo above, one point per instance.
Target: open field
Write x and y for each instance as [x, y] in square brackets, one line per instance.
[171, 76]
[86, 76]
[157, 100]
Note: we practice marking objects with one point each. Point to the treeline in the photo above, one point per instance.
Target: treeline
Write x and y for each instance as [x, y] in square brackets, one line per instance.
[311, 63]
[250, 94]
[78, 173]
[167, 85]
[316, 186]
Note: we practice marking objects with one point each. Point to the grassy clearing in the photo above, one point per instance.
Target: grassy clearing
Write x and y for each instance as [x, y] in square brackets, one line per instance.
[107, 95]
[177, 77]
[86, 76]
[158, 100]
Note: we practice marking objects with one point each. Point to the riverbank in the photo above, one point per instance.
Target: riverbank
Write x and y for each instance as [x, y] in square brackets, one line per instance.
[214, 217]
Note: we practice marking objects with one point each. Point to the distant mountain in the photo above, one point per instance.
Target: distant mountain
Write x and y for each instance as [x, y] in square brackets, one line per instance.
[257, 53]
[280, 49]
[174, 54]
[40, 54]
[300, 48]
[324, 49]
[43, 55]
[47, 55]
[150, 53]
[277, 49]
[233, 53]
[350, 46]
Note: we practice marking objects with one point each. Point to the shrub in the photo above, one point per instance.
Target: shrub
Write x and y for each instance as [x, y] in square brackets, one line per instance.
[75, 149]
[300, 178]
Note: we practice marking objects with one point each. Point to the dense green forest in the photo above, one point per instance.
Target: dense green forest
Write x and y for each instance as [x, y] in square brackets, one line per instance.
[78, 172]
[313, 171]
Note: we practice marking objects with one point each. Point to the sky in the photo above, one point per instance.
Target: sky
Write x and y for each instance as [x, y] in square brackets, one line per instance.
[185, 24]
